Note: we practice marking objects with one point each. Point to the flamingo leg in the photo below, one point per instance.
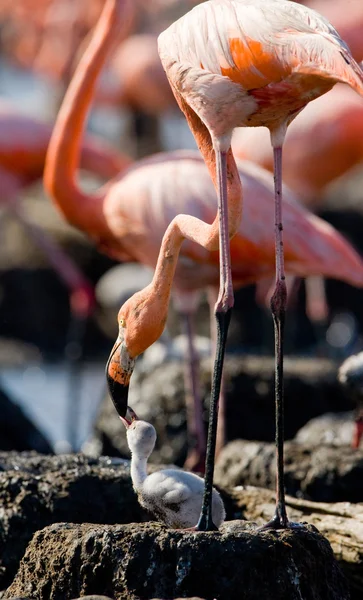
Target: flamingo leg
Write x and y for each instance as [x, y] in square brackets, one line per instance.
[196, 434]
[222, 426]
[222, 310]
[278, 309]
[74, 355]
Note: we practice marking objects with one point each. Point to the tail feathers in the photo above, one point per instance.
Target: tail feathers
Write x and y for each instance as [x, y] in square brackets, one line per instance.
[354, 73]
[332, 61]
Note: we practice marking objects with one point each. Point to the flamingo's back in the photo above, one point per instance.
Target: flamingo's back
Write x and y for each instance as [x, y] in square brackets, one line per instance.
[145, 200]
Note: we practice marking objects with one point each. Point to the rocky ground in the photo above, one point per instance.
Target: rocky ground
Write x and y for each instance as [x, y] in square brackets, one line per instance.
[72, 526]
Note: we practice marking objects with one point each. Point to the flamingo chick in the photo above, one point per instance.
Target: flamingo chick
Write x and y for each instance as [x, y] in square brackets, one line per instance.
[173, 495]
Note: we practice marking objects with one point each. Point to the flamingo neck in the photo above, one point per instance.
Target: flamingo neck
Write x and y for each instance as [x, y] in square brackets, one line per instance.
[138, 471]
[82, 210]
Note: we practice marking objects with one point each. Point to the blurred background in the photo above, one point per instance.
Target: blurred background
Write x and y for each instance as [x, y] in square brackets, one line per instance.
[52, 353]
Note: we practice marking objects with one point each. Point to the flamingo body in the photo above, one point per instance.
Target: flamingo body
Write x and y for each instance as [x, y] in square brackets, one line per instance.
[143, 201]
[259, 62]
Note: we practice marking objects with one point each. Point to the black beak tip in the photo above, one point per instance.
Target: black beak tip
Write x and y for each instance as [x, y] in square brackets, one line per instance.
[119, 394]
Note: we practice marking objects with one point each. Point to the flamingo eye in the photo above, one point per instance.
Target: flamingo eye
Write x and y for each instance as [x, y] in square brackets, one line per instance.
[122, 322]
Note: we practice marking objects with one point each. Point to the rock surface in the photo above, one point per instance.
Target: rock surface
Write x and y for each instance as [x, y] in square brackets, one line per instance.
[320, 473]
[311, 389]
[141, 561]
[37, 490]
[341, 523]
[336, 429]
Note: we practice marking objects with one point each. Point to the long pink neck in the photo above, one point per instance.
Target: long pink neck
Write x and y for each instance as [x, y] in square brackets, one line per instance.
[82, 210]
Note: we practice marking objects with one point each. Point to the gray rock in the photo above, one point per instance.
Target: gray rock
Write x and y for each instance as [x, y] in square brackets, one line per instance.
[37, 490]
[141, 561]
[320, 473]
[336, 429]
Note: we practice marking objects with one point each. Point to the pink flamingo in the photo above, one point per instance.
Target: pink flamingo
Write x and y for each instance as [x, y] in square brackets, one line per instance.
[334, 121]
[248, 63]
[23, 146]
[128, 216]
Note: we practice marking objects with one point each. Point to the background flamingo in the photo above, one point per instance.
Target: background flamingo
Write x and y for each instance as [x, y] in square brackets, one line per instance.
[334, 122]
[23, 146]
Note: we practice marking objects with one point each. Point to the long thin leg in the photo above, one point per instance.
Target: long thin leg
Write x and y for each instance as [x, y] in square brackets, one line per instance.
[221, 428]
[222, 309]
[196, 434]
[74, 355]
[278, 308]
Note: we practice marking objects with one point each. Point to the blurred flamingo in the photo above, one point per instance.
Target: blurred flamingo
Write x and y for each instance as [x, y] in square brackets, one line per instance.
[23, 146]
[335, 123]
[249, 63]
[128, 217]
[347, 18]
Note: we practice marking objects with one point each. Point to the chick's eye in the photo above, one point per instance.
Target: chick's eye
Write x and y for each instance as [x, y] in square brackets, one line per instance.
[122, 322]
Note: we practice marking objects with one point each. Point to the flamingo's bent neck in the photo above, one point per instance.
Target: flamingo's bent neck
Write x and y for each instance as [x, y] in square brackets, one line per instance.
[82, 210]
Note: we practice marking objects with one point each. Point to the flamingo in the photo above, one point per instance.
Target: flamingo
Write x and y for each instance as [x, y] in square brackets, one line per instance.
[173, 495]
[23, 146]
[248, 63]
[128, 216]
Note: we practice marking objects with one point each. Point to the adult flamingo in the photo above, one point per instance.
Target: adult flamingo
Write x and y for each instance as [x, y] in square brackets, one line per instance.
[249, 63]
[128, 217]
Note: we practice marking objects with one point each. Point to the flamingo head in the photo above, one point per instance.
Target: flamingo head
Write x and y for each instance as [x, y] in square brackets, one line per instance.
[141, 323]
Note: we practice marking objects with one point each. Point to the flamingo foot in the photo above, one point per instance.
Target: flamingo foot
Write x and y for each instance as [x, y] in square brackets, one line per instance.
[280, 521]
[205, 523]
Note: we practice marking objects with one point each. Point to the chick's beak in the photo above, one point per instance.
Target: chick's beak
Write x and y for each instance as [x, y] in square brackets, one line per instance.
[119, 369]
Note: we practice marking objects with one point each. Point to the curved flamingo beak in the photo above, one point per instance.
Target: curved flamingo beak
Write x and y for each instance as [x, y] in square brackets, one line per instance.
[129, 417]
[119, 369]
